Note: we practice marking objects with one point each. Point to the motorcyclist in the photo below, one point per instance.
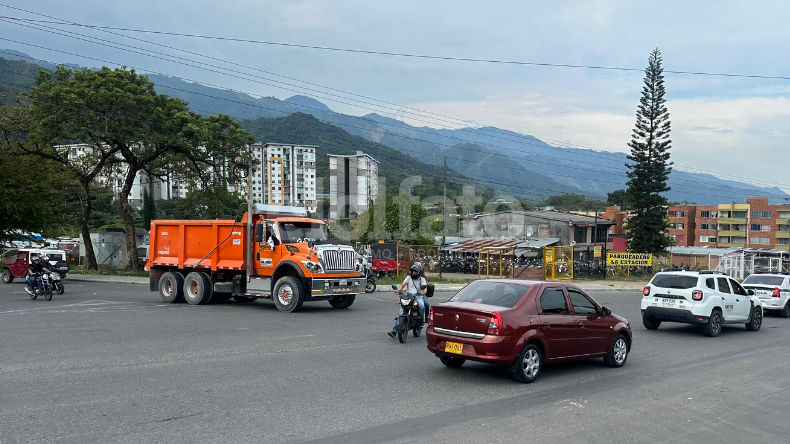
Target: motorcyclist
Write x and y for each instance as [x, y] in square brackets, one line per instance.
[360, 267]
[34, 269]
[415, 283]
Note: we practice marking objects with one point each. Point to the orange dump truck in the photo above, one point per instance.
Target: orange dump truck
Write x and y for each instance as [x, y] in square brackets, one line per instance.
[293, 260]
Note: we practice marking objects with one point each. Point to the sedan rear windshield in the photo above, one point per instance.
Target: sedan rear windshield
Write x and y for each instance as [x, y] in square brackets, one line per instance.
[491, 293]
[756, 279]
[674, 281]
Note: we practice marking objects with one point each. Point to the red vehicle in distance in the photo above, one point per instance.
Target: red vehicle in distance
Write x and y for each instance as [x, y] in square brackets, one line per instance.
[524, 325]
[384, 260]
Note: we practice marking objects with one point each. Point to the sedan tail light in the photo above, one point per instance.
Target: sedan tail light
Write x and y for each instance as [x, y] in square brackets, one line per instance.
[776, 293]
[646, 291]
[495, 325]
[696, 295]
[430, 318]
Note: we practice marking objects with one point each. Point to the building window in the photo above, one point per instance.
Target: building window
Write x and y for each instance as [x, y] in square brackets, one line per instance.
[761, 214]
[784, 214]
[739, 214]
[580, 235]
[724, 239]
[724, 214]
[738, 240]
[707, 214]
[724, 227]
[681, 237]
[760, 241]
[784, 241]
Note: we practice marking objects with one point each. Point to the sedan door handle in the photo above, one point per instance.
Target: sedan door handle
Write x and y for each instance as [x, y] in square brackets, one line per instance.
[545, 324]
[581, 325]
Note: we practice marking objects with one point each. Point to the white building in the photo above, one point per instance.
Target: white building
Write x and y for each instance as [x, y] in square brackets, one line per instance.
[171, 187]
[353, 184]
[285, 176]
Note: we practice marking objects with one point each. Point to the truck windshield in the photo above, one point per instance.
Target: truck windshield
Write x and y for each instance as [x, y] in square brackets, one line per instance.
[293, 232]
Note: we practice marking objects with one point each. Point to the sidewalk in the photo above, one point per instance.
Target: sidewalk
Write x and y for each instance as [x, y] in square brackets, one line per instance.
[584, 285]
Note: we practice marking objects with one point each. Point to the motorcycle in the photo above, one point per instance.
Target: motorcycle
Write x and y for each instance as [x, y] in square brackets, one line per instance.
[370, 284]
[42, 287]
[56, 281]
[409, 316]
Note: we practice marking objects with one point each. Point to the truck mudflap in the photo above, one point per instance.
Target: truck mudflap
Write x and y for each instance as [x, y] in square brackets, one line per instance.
[331, 287]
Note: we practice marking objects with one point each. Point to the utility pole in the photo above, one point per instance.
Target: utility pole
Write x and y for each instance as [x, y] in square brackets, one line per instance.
[444, 218]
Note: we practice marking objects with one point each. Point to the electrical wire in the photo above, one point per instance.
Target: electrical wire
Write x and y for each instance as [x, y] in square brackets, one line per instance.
[398, 54]
[678, 167]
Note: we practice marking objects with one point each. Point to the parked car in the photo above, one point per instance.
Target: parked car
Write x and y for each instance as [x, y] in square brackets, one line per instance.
[773, 289]
[524, 325]
[18, 268]
[706, 298]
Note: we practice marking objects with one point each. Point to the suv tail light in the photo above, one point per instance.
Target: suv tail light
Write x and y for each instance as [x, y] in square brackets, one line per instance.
[776, 293]
[495, 325]
[646, 291]
[696, 295]
[430, 318]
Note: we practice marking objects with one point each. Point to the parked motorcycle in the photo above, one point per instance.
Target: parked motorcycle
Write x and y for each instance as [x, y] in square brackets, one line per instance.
[42, 287]
[409, 316]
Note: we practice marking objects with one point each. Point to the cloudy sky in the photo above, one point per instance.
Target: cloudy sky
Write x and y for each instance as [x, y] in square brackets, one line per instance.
[736, 128]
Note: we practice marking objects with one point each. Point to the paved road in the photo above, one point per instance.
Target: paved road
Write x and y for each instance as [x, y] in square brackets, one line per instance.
[108, 363]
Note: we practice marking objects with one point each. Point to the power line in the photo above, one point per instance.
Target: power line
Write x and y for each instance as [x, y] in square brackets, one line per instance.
[603, 154]
[337, 124]
[398, 54]
[619, 172]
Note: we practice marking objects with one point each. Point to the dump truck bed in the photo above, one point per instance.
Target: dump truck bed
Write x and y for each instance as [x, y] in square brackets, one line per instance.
[207, 244]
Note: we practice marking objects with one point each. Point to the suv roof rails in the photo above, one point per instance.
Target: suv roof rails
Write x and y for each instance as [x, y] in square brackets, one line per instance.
[672, 269]
[712, 272]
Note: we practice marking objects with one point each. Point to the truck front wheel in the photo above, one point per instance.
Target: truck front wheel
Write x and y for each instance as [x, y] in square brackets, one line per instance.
[288, 294]
[344, 301]
[198, 288]
[171, 287]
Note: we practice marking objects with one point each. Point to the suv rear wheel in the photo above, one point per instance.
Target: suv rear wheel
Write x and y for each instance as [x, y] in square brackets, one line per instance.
[650, 323]
[8, 277]
[712, 328]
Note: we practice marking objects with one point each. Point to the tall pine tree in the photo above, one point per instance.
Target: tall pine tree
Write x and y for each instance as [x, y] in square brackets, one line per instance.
[650, 169]
[149, 209]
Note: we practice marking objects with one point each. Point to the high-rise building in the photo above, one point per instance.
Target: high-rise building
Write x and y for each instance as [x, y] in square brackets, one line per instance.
[285, 176]
[353, 184]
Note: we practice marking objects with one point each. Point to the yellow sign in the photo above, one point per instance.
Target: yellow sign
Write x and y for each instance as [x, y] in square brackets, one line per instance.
[597, 251]
[548, 255]
[629, 259]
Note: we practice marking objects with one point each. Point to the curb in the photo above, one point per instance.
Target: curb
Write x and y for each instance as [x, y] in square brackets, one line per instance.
[129, 280]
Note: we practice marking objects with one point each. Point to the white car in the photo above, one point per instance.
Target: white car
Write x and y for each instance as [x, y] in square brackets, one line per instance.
[708, 298]
[773, 289]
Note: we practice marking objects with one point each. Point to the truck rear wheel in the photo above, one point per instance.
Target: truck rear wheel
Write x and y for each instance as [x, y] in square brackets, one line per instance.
[171, 287]
[344, 301]
[288, 294]
[198, 288]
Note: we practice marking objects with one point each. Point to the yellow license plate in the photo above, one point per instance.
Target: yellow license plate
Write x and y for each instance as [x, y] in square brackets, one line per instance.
[454, 347]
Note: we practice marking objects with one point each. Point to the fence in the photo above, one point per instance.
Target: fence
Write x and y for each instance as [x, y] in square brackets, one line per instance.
[558, 263]
[588, 267]
[427, 255]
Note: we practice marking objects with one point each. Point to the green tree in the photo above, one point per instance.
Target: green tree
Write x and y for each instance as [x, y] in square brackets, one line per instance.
[149, 209]
[649, 172]
[619, 198]
[38, 130]
[149, 133]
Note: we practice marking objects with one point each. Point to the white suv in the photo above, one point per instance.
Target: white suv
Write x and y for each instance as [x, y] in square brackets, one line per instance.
[708, 298]
[773, 289]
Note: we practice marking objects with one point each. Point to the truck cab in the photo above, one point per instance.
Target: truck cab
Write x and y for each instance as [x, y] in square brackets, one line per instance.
[289, 258]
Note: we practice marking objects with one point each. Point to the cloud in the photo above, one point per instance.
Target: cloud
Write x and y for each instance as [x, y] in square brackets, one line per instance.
[742, 139]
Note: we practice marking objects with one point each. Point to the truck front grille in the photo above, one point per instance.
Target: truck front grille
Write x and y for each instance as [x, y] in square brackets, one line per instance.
[339, 260]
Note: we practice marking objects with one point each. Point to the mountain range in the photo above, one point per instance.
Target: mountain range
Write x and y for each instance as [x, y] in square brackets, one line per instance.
[513, 163]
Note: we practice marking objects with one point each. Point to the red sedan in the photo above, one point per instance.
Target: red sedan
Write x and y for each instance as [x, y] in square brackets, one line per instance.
[524, 325]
